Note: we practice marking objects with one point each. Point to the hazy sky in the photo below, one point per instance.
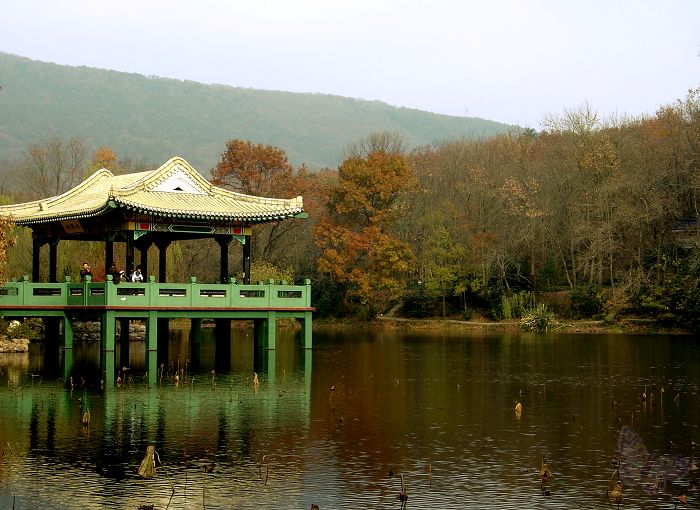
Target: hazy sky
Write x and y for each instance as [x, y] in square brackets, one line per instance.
[510, 61]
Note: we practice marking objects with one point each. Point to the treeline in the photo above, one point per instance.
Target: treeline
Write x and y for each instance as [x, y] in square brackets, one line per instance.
[595, 218]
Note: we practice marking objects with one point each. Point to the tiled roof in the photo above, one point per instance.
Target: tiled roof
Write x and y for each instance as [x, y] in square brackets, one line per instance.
[175, 190]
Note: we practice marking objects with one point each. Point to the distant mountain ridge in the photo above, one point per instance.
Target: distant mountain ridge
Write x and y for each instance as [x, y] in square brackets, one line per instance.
[152, 119]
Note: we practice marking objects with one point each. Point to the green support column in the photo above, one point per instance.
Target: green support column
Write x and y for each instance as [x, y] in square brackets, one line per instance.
[67, 333]
[108, 368]
[264, 331]
[67, 363]
[271, 368]
[152, 331]
[306, 331]
[196, 342]
[259, 332]
[272, 330]
[308, 361]
[108, 333]
[124, 342]
[151, 361]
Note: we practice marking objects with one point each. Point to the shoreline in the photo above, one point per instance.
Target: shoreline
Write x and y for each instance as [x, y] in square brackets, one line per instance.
[621, 326]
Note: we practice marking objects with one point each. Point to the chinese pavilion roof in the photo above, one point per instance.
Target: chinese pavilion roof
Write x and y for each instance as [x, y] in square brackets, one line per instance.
[175, 190]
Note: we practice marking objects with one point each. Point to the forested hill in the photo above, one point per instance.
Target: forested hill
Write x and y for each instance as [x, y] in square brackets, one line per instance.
[151, 119]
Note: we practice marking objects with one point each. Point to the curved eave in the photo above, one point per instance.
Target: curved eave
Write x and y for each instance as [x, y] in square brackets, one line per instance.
[35, 220]
[252, 217]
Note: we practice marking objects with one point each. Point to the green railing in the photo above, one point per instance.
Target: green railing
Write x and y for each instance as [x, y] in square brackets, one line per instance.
[271, 295]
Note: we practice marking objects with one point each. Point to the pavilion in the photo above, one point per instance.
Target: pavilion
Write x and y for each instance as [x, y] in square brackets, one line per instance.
[173, 202]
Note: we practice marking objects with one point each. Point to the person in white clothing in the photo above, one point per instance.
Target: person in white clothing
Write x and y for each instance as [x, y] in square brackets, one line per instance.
[137, 277]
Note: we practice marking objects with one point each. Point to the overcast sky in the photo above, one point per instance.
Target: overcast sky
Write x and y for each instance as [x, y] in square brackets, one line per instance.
[510, 61]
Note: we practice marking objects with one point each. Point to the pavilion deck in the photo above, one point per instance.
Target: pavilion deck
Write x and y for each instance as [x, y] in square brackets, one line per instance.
[154, 303]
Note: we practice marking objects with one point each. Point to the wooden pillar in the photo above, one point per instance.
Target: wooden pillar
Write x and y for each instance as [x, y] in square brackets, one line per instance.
[162, 245]
[109, 254]
[246, 259]
[53, 262]
[143, 247]
[129, 262]
[36, 259]
[223, 259]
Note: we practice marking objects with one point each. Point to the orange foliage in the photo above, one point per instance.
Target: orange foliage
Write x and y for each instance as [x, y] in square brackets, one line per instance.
[104, 157]
[369, 188]
[357, 249]
[254, 169]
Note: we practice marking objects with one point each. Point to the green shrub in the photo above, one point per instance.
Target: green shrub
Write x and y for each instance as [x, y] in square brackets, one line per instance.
[587, 301]
[539, 319]
[513, 307]
[420, 305]
[22, 330]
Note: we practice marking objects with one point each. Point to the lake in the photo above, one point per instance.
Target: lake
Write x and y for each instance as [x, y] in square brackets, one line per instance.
[341, 425]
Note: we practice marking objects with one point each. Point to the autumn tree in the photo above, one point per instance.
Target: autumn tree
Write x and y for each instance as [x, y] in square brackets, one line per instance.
[359, 250]
[263, 170]
[103, 157]
[7, 240]
[254, 169]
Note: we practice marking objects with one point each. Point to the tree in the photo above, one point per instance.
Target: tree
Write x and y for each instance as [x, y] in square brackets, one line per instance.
[442, 269]
[103, 157]
[383, 141]
[253, 169]
[358, 250]
[54, 166]
[7, 240]
[263, 170]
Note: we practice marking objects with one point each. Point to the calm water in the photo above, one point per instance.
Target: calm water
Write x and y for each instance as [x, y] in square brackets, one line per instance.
[331, 426]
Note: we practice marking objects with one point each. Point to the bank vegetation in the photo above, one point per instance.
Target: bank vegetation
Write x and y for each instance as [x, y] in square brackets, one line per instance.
[588, 218]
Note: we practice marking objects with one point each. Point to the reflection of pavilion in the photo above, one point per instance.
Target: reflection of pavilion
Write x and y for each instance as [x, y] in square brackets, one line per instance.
[140, 210]
[233, 424]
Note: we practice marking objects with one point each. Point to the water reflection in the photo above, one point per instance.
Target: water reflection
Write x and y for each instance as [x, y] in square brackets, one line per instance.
[435, 408]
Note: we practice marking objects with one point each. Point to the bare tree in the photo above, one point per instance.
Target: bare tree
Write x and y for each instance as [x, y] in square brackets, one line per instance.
[55, 166]
[384, 141]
